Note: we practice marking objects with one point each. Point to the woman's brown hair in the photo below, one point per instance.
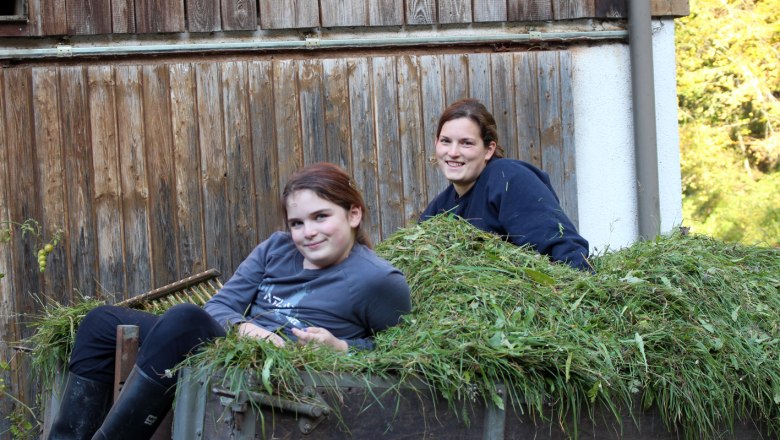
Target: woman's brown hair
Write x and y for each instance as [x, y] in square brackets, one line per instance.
[333, 184]
[477, 112]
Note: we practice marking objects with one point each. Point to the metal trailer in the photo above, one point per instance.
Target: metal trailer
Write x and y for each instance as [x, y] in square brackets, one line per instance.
[204, 410]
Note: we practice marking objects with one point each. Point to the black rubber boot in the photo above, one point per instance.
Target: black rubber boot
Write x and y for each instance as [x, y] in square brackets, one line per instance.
[83, 407]
[141, 407]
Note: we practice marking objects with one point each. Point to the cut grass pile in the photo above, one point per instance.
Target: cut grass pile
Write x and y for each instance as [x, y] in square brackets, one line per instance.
[55, 333]
[683, 323]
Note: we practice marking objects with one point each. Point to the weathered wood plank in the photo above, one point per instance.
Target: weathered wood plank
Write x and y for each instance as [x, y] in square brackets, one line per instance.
[479, 78]
[337, 133]
[239, 15]
[52, 18]
[572, 9]
[33, 26]
[88, 17]
[669, 8]
[660, 7]
[238, 154]
[46, 116]
[80, 234]
[680, 8]
[281, 14]
[134, 184]
[527, 104]
[420, 11]
[529, 10]
[24, 202]
[8, 320]
[455, 11]
[456, 82]
[213, 164]
[385, 12]
[288, 123]
[412, 143]
[159, 167]
[153, 16]
[490, 10]
[203, 16]
[105, 173]
[364, 158]
[344, 13]
[503, 106]
[312, 109]
[265, 155]
[433, 104]
[568, 195]
[15, 30]
[123, 16]
[388, 149]
[186, 163]
[548, 75]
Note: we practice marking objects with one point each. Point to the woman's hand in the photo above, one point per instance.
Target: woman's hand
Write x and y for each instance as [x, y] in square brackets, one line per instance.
[318, 335]
[254, 331]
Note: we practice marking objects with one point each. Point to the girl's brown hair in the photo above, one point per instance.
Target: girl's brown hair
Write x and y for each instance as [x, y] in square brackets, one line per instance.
[477, 112]
[333, 184]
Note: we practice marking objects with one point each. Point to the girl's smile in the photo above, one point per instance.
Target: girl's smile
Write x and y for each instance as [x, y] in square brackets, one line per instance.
[322, 231]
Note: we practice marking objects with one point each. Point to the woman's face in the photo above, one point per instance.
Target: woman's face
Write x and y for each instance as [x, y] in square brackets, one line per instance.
[321, 230]
[461, 153]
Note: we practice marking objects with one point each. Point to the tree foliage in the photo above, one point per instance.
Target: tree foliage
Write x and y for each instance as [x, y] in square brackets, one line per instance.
[728, 87]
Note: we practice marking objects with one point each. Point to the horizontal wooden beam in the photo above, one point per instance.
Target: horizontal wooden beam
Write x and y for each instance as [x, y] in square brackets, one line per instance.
[673, 8]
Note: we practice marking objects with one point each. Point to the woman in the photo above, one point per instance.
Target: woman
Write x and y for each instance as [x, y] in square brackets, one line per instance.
[319, 282]
[511, 198]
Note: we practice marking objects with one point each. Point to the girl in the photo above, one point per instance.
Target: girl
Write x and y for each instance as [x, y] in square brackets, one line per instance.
[318, 282]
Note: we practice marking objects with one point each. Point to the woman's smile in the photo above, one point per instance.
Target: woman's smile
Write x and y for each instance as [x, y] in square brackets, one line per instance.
[461, 153]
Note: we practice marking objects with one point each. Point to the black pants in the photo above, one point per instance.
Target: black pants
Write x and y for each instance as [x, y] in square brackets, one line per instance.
[164, 340]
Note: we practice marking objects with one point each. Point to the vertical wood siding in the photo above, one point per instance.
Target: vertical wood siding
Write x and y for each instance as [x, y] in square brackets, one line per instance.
[172, 168]
[133, 181]
[157, 171]
[123, 17]
[239, 15]
[385, 13]
[23, 202]
[203, 16]
[90, 17]
[8, 319]
[490, 10]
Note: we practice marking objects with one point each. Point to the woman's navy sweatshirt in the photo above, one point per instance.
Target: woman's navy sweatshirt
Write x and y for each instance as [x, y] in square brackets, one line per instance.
[514, 199]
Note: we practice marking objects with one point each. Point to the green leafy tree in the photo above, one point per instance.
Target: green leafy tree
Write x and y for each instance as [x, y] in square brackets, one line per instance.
[728, 87]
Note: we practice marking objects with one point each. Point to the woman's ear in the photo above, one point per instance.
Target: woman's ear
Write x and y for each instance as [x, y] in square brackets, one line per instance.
[491, 150]
[354, 216]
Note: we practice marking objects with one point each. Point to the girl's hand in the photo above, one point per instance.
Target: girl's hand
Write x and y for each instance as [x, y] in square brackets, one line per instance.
[318, 335]
[254, 331]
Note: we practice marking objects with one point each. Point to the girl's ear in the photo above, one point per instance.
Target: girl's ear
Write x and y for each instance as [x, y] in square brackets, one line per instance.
[354, 216]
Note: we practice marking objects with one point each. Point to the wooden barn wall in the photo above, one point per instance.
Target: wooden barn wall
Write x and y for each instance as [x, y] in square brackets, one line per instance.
[91, 17]
[157, 171]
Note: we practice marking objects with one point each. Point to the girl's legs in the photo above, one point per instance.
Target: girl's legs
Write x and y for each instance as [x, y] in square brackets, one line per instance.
[95, 346]
[90, 383]
[149, 390]
[177, 334]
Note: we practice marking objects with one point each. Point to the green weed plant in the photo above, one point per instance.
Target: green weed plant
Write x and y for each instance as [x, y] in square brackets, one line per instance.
[683, 323]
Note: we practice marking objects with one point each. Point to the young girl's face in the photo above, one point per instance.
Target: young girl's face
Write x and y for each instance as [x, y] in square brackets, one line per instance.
[321, 230]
